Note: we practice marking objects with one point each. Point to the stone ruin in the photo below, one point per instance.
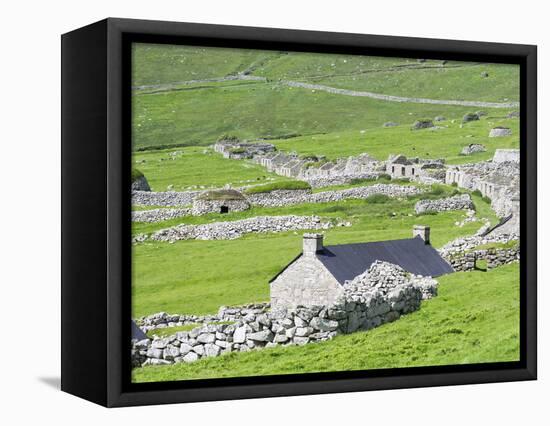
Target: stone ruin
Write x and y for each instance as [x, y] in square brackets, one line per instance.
[237, 150]
[220, 201]
[423, 170]
[497, 179]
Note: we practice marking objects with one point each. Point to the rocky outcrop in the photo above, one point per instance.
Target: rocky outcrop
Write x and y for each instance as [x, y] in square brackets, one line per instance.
[458, 202]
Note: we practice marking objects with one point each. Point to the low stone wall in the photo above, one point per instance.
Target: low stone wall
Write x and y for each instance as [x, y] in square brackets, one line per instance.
[159, 215]
[380, 295]
[466, 261]
[164, 199]
[321, 182]
[234, 229]
[462, 253]
[458, 202]
[164, 320]
[362, 192]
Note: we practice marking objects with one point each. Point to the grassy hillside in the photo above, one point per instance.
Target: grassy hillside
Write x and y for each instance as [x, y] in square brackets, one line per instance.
[260, 110]
[474, 319]
[197, 277]
[196, 114]
[190, 167]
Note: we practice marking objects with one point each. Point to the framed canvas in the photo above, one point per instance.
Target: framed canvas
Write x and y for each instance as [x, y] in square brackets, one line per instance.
[256, 212]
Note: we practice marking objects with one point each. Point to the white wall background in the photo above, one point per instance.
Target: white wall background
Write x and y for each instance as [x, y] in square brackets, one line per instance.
[30, 241]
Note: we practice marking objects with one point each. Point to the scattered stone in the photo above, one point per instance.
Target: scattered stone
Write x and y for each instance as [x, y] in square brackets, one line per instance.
[422, 124]
[390, 124]
[499, 132]
[471, 116]
[473, 148]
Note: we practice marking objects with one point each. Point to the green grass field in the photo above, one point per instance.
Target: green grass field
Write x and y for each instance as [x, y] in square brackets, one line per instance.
[197, 277]
[474, 319]
[178, 113]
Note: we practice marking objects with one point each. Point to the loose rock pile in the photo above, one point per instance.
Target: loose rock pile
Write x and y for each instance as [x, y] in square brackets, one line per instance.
[458, 202]
[234, 229]
[380, 295]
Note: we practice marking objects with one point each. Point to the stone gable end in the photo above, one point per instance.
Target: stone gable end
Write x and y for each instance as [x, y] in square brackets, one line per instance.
[305, 282]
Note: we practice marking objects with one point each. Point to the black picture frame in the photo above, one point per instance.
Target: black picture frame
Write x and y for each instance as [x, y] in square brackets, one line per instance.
[96, 248]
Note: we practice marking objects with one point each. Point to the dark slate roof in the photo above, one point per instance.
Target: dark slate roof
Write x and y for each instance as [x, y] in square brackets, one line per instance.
[346, 261]
[137, 333]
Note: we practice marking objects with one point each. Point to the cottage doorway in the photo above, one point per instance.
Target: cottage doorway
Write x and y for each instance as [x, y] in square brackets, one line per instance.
[224, 209]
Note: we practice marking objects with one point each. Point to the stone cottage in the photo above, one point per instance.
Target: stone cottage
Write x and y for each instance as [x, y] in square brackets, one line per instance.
[317, 276]
[220, 201]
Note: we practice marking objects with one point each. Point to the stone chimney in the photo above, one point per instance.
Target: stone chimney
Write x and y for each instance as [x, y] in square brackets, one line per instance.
[312, 243]
[423, 232]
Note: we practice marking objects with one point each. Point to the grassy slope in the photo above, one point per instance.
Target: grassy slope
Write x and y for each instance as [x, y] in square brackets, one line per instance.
[192, 168]
[259, 110]
[474, 319]
[199, 276]
[388, 76]
[161, 64]
[380, 142]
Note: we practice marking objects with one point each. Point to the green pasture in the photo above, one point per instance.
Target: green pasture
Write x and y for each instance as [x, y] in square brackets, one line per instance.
[474, 319]
[197, 277]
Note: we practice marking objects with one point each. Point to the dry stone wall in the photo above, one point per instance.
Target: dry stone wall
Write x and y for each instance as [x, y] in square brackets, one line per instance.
[458, 202]
[159, 215]
[274, 199]
[235, 229]
[380, 295]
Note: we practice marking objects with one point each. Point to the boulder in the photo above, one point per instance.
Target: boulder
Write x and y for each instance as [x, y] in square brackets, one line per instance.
[190, 357]
[261, 336]
[206, 338]
[323, 324]
[422, 124]
[211, 350]
[471, 116]
[240, 334]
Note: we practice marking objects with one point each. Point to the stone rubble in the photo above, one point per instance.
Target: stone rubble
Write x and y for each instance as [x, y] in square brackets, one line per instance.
[457, 202]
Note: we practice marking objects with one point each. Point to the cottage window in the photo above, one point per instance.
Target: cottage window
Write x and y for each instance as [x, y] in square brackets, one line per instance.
[412, 171]
[224, 209]
[403, 171]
